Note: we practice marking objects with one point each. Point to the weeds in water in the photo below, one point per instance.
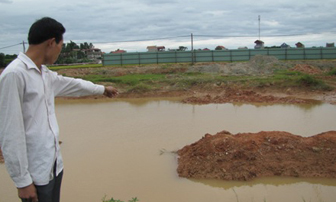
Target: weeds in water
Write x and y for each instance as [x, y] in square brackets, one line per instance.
[235, 194]
[117, 200]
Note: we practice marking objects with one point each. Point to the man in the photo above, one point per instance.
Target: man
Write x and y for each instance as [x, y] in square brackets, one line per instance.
[28, 127]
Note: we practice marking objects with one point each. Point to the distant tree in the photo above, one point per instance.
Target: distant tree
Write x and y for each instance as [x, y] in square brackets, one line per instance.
[2, 60]
[81, 55]
[91, 46]
[71, 46]
[84, 46]
[73, 53]
[182, 48]
[6, 59]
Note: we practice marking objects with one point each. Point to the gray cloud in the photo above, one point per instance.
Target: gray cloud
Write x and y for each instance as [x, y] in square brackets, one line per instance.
[111, 21]
[6, 1]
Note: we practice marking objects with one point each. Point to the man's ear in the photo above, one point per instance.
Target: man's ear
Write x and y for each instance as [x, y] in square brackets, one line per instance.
[51, 42]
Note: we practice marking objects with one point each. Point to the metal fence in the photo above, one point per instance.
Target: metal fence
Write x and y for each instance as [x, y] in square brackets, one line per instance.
[217, 56]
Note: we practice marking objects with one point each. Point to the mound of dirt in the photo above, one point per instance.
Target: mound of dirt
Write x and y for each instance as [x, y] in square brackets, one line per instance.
[245, 156]
[307, 69]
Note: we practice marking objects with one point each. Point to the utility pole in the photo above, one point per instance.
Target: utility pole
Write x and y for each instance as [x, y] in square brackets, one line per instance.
[192, 48]
[24, 47]
[259, 25]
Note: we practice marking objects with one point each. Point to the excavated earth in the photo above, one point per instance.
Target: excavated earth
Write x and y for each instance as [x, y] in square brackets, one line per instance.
[245, 156]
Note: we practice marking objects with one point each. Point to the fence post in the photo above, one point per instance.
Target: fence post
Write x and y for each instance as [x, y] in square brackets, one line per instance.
[285, 53]
[103, 59]
[121, 59]
[139, 59]
[157, 57]
[212, 56]
[192, 48]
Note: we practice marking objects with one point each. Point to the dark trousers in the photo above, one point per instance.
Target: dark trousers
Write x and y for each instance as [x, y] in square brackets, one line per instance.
[50, 192]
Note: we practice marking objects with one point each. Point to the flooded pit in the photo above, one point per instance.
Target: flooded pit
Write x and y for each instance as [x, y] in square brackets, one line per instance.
[122, 149]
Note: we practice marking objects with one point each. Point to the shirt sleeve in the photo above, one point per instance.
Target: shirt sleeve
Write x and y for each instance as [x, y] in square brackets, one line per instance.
[66, 86]
[12, 132]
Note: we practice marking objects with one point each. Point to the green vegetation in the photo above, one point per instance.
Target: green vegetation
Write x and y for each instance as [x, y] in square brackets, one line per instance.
[6, 59]
[178, 78]
[130, 79]
[73, 53]
[291, 79]
[117, 200]
[332, 72]
[55, 68]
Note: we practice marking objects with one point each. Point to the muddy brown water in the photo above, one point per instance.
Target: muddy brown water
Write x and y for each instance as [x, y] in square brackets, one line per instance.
[123, 149]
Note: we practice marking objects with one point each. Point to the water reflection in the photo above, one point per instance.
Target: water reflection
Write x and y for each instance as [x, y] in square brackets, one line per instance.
[266, 181]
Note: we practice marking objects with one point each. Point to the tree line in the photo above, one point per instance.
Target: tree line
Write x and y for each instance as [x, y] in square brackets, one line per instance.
[71, 53]
[6, 59]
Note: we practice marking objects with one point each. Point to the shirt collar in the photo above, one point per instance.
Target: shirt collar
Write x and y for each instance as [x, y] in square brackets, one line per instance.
[29, 63]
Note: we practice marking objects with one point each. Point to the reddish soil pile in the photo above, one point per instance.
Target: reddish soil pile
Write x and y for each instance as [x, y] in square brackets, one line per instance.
[244, 96]
[245, 156]
[307, 69]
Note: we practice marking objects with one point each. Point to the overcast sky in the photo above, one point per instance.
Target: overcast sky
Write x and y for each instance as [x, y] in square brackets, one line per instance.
[141, 23]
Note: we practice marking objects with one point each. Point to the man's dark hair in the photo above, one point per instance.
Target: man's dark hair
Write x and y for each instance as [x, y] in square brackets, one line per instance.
[44, 29]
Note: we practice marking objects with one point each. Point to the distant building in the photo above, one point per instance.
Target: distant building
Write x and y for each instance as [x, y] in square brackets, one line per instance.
[330, 45]
[220, 48]
[242, 47]
[93, 54]
[284, 45]
[118, 51]
[152, 48]
[299, 45]
[155, 48]
[259, 44]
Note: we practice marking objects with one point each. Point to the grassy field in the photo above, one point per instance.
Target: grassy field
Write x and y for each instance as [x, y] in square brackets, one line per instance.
[165, 77]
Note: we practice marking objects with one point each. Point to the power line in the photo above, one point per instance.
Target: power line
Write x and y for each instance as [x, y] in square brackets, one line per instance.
[244, 36]
[140, 40]
[10, 46]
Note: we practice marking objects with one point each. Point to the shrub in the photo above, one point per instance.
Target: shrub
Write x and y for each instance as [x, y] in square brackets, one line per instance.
[313, 83]
[308, 80]
[332, 72]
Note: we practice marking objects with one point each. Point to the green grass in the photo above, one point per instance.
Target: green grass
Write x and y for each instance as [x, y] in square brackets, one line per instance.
[332, 72]
[55, 68]
[130, 79]
[289, 79]
[178, 79]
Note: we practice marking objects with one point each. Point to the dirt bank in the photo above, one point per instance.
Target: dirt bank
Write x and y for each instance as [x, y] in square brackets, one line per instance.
[245, 156]
[230, 95]
[1, 157]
